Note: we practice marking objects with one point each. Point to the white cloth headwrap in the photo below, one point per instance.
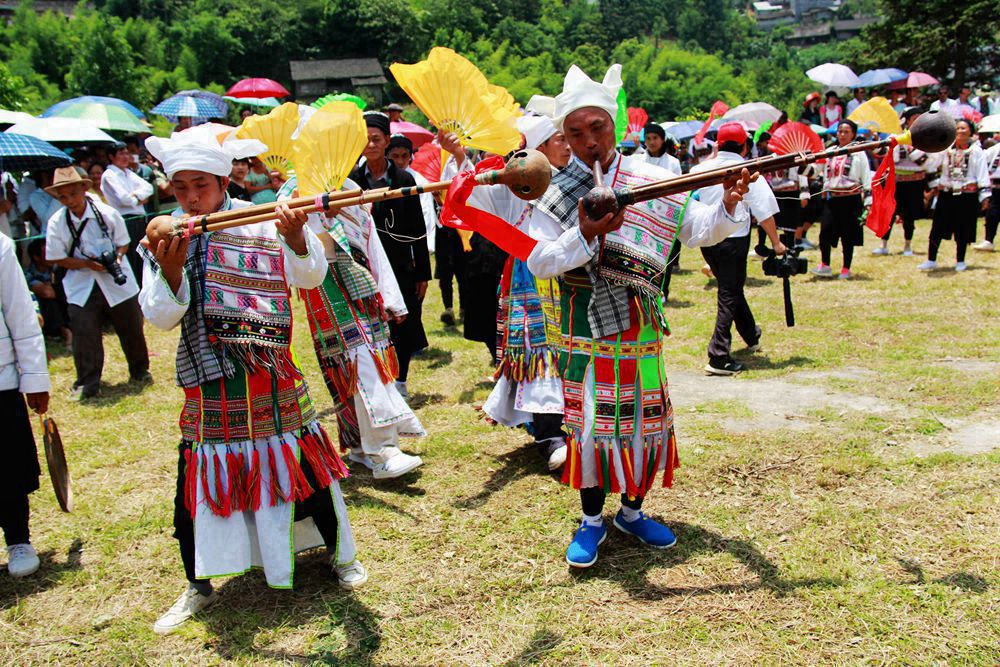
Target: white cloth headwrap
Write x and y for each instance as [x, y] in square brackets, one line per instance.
[580, 91]
[536, 130]
[198, 149]
[305, 113]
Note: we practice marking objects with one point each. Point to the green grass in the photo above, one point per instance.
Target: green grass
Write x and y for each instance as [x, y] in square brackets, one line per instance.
[818, 544]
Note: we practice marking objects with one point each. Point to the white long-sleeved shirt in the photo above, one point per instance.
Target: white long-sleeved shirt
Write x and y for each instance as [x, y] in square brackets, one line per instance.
[164, 309]
[124, 190]
[22, 348]
[759, 201]
[961, 169]
[666, 161]
[559, 251]
[992, 156]
[427, 206]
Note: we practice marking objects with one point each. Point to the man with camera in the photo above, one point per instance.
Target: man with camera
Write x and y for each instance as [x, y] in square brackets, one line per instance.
[728, 259]
[87, 239]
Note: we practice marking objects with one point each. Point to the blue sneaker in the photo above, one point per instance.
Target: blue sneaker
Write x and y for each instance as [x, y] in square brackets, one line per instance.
[649, 532]
[582, 551]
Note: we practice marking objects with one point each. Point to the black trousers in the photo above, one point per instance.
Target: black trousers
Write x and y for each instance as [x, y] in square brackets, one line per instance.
[673, 258]
[88, 339]
[728, 261]
[448, 263]
[993, 215]
[955, 217]
[592, 501]
[547, 426]
[319, 506]
[14, 518]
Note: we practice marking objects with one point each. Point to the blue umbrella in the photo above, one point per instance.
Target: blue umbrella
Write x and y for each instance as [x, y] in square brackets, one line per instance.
[55, 109]
[187, 106]
[685, 130]
[880, 77]
[21, 152]
[214, 98]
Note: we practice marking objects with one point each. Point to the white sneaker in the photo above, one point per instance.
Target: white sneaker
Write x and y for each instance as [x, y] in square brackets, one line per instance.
[22, 560]
[929, 265]
[401, 388]
[396, 466]
[558, 457]
[961, 267]
[351, 576]
[985, 246]
[907, 252]
[823, 271]
[187, 605]
[880, 251]
[362, 458]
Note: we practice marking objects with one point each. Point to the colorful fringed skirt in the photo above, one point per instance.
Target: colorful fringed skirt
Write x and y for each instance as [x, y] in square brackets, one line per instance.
[246, 439]
[358, 362]
[527, 379]
[618, 411]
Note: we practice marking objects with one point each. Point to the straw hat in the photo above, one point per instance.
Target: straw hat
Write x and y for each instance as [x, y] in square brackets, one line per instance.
[64, 176]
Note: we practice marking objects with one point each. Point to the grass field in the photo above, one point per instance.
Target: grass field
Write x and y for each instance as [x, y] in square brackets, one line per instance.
[825, 510]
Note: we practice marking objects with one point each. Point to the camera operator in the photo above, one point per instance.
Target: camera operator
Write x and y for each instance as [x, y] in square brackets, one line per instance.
[728, 259]
[88, 239]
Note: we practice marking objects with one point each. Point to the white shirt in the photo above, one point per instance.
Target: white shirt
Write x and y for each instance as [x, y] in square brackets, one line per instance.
[937, 105]
[559, 250]
[79, 283]
[853, 104]
[124, 189]
[976, 172]
[759, 201]
[666, 161]
[427, 206]
[992, 156]
[22, 347]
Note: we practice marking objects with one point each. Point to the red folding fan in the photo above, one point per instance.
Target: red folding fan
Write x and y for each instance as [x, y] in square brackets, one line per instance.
[637, 119]
[427, 162]
[793, 138]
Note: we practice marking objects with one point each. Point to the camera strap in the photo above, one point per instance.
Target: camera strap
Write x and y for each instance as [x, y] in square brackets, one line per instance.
[77, 233]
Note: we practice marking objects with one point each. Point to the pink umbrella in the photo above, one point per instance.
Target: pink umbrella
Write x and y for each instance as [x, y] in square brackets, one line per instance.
[914, 80]
[257, 88]
[418, 135]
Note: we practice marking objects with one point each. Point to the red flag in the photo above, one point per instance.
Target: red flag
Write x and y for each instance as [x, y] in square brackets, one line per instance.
[718, 109]
[458, 214]
[883, 195]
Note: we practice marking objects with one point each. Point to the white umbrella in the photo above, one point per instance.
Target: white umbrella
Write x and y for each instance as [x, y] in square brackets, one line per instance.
[754, 113]
[834, 75]
[61, 130]
[11, 117]
[990, 123]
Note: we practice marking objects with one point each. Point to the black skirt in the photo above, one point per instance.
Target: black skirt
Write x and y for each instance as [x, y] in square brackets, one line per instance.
[842, 222]
[20, 471]
[910, 200]
[955, 217]
[789, 215]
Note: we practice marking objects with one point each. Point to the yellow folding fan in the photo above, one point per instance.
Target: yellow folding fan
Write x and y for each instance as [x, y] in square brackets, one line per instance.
[877, 115]
[275, 131]
[328, 147]
[456, 97]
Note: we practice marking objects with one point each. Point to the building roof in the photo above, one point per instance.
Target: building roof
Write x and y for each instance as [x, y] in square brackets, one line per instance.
[369, 81]
[348, 68]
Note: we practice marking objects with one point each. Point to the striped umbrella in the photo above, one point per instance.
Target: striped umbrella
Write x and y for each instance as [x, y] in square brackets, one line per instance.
[104, 116]
[56, 109]
[21, 152]
[187, 106]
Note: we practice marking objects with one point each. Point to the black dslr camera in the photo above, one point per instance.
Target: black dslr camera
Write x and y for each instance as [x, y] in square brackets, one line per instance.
[109, 260]
[784, 267]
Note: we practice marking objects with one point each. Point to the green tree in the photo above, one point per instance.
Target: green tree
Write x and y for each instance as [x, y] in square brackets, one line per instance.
[938, 36]
[11, 89]
[103, 64]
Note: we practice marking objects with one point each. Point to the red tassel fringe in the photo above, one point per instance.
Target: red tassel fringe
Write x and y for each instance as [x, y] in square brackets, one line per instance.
[300, 485]
[277, 495]
[253, 482]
